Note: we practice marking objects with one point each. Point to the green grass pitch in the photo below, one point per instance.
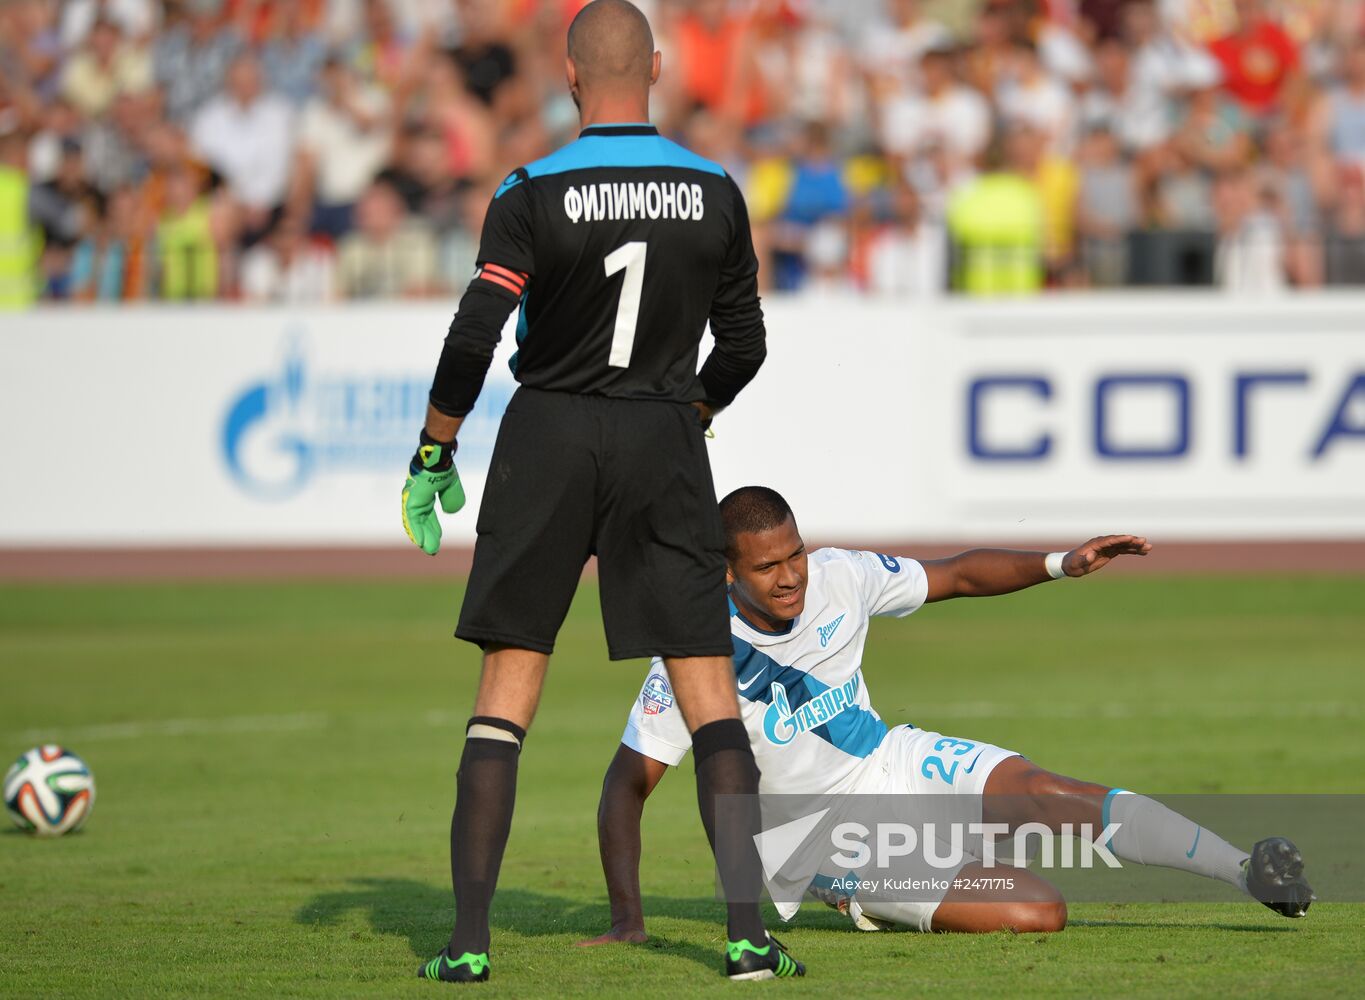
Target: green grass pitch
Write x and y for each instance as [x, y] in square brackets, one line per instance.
[275, 770]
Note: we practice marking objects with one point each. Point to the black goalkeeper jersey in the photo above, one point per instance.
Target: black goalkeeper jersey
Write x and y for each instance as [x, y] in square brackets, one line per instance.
[617, 249]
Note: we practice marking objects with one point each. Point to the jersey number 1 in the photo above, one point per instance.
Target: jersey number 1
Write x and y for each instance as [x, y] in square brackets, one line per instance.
[631, 259]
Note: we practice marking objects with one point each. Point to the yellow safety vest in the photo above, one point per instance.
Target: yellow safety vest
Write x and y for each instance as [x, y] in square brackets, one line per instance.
[19, 242]
[996, 223]
[189, 260]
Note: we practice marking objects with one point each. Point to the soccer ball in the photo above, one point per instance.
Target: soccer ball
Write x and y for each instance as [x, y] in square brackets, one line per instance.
[49, 791]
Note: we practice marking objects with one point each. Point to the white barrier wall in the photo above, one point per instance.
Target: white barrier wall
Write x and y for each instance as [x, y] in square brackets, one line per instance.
[1176, 416]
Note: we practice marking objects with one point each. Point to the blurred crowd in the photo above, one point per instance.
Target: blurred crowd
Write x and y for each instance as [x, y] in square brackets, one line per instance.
[338, 149]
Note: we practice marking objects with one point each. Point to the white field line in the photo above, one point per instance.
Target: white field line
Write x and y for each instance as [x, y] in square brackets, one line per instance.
[920, 712]
[1137, 710]
[176, 727]
[1073, 710]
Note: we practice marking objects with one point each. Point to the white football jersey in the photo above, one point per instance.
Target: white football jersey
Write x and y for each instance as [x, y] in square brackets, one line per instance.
[801, 692]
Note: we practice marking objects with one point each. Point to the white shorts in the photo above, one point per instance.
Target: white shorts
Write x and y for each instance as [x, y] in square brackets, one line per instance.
[919, 762]
[926, 763]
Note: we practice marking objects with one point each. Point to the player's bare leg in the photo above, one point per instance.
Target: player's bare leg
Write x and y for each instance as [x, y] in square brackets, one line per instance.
[510, 684]
[704, 687]
[486, 787]
[1149, 833]
[1030, 905]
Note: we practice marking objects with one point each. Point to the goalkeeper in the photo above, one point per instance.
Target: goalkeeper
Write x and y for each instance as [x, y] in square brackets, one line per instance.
[799, 622]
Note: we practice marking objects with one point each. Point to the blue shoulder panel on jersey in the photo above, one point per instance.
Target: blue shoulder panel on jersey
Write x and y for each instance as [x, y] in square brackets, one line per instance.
[595, 151]
[854, 729]
[513, 179]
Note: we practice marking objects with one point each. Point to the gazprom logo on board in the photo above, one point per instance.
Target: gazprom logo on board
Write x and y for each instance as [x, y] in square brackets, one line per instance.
[304, 421]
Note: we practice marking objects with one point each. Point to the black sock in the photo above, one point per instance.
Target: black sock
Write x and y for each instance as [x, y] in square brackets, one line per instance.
[486, 788]
[725, 766]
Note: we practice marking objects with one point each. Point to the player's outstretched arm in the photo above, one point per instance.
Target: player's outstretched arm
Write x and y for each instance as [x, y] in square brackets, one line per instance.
[629, 780]
[988, 572]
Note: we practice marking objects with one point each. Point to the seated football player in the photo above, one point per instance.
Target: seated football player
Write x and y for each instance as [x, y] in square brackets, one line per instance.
[799, 622]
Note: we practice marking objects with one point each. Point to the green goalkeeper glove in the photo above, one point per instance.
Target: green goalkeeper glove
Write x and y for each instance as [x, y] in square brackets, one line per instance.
[432, 474]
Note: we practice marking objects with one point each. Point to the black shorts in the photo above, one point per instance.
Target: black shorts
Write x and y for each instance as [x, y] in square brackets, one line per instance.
[628, 480]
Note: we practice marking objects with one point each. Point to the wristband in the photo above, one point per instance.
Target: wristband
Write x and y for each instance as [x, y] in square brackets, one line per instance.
[1053, 563]
[426, 438]
[444, 451]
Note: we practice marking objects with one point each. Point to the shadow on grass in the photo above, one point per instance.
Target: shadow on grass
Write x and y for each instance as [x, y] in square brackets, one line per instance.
[424, 913]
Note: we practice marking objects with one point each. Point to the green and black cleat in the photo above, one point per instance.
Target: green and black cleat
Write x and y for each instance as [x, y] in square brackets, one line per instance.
[745, 962]
[468, 968]
[1274, 875]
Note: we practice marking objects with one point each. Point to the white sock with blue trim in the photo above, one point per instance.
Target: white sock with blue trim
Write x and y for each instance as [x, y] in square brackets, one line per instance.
[1151, 834]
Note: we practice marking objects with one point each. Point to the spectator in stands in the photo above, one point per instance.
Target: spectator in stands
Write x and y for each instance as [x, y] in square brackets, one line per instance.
[1028, 93]
[815, 194]
[1101, 20]
[113, 144]
[902, 253]
[289, 266]
[1183, 193]
[718, 140]
[246, 135]
[105, 67]
[167, 152]
[31, 53]
[66, 209]
[295, 52]
[1345, 243]
[1136, 118]
[20, 241]
[945, 114]
[1337, 118]
[1178, 247]
[1285, 173]
[108, 265]
[388, 54]
[717, 67]
[892, 47]
[1061, 50]
[345, 138]
[466, 127]
[996, 221]
[134, 19]
[803, 67]
[1163, 64]
[187, 250]
[1058, 184]
[59, 125]
[485, 57]
[1250, 255]
[1214, 134]
[1260, 60]
[192, 55]
[1107, 209]
[258, 21]
[459, 249]
[992, 52]
[389, 255]
[429, 188]
[400, 174]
